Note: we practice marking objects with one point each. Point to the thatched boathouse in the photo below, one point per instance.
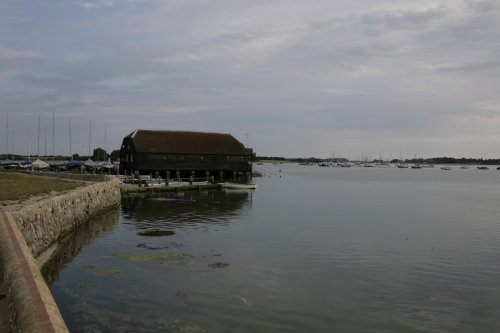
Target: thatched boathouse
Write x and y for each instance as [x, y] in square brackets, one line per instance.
[184, 154]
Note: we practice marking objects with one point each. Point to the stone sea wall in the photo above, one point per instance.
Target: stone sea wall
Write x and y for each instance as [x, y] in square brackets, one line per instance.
[26, 232]
[43, 222]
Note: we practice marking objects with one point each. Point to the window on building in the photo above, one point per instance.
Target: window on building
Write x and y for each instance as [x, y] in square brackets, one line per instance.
[156, 157]
[192, 158]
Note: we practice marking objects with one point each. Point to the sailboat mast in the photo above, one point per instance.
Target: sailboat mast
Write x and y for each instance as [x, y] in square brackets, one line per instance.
[105, 139]
[90, 134]
[7, 136]
[13, 141]
[53, 132]
[38, 144]
[69, 128]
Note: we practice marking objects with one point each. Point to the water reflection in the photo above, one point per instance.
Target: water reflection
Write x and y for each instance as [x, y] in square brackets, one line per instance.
[71, 245]
[319, 250]
[185, 209]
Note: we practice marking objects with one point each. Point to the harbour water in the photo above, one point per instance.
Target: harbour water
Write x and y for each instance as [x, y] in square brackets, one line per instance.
[312, 250]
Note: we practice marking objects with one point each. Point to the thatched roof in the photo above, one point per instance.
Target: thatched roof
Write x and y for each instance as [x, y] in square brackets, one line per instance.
[184, 142]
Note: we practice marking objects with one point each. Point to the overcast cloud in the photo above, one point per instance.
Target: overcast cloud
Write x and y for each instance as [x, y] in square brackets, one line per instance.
[302, 77]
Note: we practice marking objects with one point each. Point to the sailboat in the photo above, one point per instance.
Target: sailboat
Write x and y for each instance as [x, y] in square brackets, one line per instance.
[402, 165]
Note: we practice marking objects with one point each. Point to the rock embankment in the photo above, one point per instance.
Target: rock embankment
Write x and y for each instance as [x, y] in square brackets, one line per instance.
[44, 221]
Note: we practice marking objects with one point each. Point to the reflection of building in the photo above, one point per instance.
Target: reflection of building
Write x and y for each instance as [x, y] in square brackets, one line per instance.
[184, 152]
[178, 210]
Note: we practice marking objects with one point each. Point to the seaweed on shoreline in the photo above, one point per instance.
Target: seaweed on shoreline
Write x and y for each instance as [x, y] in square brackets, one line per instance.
[175, 258]
[156, 233]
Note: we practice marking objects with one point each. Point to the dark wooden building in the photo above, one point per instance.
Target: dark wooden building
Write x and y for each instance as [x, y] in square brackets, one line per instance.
[173, 153]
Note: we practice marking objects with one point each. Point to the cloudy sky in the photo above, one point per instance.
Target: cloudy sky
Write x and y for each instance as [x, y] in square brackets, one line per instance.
[291, 78]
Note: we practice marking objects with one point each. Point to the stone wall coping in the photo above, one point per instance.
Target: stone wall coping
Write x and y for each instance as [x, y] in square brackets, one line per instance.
[31, 303]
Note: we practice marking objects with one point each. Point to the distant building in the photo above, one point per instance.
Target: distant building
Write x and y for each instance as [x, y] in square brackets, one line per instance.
[186, 153]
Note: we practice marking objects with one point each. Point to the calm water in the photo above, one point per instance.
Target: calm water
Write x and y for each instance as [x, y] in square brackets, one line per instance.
[315, 250]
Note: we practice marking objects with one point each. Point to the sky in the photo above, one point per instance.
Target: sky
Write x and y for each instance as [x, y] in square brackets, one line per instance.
[294, 78]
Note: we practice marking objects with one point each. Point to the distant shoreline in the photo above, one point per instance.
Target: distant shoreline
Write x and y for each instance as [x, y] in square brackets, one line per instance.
[433, 160]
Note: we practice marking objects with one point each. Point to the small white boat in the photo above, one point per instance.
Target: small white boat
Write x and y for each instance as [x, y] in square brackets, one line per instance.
[239, 186]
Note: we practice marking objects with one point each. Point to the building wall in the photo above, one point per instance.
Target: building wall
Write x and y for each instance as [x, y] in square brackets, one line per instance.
[131, 161]
[127, 156]
[148, 161]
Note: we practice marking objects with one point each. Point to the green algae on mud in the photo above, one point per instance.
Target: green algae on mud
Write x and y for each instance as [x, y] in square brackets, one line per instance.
[179, 326]
[101, 271]
[175, 258]
[93, 318]
[160, 246]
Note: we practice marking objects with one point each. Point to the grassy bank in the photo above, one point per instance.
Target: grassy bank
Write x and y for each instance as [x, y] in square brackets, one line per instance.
[19, 186]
